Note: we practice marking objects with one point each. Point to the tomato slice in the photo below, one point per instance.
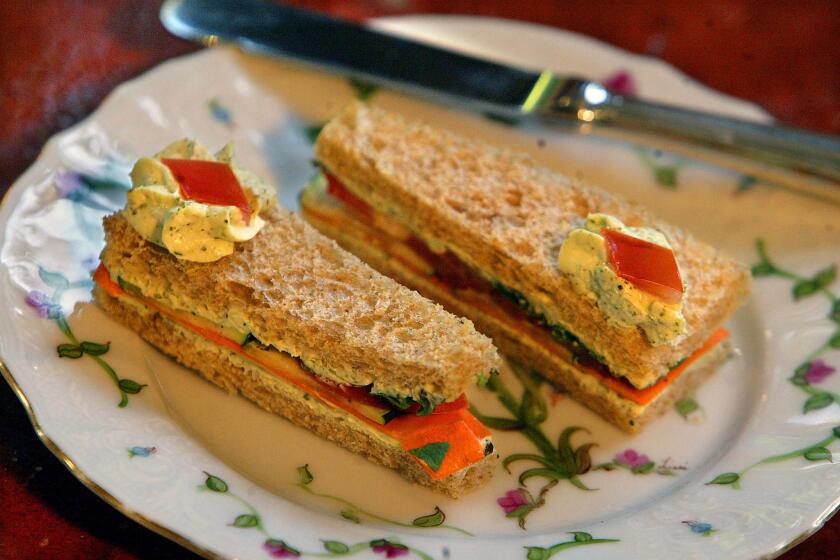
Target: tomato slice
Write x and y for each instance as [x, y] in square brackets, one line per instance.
[648, 266]
[209, 182]
[339, 191]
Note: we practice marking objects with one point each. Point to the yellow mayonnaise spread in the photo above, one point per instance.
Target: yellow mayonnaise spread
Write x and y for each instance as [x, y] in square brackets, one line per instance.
[583, 258]
[188, 229]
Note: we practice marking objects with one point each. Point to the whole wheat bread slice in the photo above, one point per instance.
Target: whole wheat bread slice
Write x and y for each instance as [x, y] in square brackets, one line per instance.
[525, 346]
[238, 375]
[298, 291]
[504, 215]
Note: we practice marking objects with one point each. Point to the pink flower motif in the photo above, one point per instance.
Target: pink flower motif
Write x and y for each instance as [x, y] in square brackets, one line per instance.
[818, 370]
[388, 548]
[40, 302]
[621, 82]
[630, 458]
[512, 500]
[279, 549]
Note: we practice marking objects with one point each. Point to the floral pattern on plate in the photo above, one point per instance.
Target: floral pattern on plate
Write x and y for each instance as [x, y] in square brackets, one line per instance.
[51, 219]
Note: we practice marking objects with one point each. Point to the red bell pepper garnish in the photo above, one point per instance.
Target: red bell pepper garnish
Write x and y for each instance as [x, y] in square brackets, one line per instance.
[337, 189]
[648, 266]
[209, 182]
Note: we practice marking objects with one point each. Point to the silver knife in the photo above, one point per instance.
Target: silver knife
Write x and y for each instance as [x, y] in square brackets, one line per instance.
[804, 161]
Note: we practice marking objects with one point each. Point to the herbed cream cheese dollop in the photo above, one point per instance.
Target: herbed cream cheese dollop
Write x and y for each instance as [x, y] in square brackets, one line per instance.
[192, 230]
[583, 258]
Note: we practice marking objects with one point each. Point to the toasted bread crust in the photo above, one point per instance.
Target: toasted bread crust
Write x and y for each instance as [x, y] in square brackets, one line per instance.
[298, 291]
[237, 375]
[518, 346]
[503, 214]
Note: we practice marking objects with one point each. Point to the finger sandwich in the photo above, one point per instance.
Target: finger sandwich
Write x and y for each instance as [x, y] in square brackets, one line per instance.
[204, 266]
[617, 307]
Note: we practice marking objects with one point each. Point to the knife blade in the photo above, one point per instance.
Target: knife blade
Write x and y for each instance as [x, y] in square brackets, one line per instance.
[796, 159]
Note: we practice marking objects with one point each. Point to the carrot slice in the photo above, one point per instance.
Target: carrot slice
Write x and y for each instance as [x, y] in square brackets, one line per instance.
[646, 395]
[102, 277]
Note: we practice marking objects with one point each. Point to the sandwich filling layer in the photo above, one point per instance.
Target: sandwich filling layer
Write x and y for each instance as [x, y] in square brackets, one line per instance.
[443, 441]
[328, 201]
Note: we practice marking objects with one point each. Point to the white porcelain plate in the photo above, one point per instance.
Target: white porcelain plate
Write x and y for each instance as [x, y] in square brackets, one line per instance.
[741, 470]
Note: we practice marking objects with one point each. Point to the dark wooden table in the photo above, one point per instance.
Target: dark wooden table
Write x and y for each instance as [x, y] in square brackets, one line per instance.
[59, 58]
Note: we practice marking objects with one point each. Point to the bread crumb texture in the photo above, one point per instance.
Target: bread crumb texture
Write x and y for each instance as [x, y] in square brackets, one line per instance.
[297, 290]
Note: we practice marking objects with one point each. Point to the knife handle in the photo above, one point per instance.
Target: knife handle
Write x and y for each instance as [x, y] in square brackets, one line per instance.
[784, 156]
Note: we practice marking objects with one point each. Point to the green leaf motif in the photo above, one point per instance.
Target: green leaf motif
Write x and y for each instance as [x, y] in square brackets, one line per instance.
[644, 468]
[532, 409]
[350, 515]
[130, 386]
[580, 536]
[498, 423]
[304, 476]
[834, 341]
[836, 432]
[94, 348]
[537, 553]
[246, 520]
[818, 454]
[215, 483]
[799, 374]
[583, 461]
[71, 351]
[818, 401]
[54, 280]
[283, 546]
[435, 519]
[835, 312]
[825, 277]
[520, 511]
[553, 473]
[804, 288]
[686, 406]
[567, 452]
[666, 175]
[336, 547]
[763, 269]
[726, 478]
[432, 454]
